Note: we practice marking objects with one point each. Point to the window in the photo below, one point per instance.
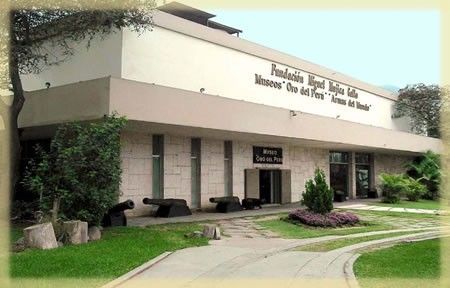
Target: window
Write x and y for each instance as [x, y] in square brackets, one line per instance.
[228, 168]
[339, 157]
[362, 158]
[158, 166]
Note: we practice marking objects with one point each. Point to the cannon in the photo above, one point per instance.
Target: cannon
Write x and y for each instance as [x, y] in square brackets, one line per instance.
[170, 207]
[115, 215]
[226, 204]
[252, 203]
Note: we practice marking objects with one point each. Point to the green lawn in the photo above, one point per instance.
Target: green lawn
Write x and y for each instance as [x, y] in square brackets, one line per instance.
[421, 204]
[339, 243]
[414, 264]
[120, 250]
[290, 230]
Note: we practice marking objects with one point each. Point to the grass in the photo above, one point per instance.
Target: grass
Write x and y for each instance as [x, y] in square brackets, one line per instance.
[16, 232]
[290, 230]
[339, 243]
[120, 250]
[414, 264]
[421, 204]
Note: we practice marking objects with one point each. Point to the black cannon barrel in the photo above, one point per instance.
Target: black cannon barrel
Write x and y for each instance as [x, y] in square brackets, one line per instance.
[166, 202]
[233, 199]
[126, 205]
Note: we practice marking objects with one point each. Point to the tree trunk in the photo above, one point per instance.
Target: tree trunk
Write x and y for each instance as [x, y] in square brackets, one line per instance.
[13, 127]
[55, 210]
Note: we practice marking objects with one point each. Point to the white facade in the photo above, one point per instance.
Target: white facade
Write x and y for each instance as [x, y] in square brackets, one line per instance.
[183, 80]
[171, 58]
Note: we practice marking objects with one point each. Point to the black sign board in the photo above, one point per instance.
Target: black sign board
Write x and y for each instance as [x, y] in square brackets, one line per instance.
[267, 155]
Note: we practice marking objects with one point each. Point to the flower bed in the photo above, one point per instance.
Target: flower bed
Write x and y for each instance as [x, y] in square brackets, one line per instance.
[332, 219]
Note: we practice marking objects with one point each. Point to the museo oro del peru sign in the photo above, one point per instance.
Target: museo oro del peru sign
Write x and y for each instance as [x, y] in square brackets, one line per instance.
[267, 155]
[309, 85]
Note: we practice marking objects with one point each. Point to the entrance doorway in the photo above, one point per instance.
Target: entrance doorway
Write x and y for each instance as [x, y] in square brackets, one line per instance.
[362, 171]
[270, 186]
[339, 172]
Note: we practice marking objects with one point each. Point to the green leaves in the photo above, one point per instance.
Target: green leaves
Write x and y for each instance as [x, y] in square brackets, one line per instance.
[427, 170]
[82, 169]
[422, 105]
[394, 186]
[318, 197]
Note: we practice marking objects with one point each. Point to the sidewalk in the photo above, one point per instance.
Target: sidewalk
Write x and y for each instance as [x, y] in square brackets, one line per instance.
[211, 215]
[257, 261]
[361, 206]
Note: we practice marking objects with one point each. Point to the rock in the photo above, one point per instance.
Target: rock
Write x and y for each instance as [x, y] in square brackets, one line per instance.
[41, 236]
[76, 232]
[209, 230]
[195, 234]
[60, 244]
[19, 245]
[217, 234]
[94, 233]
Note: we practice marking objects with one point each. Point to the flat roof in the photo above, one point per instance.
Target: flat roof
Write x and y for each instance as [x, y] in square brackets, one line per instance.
[196, 15]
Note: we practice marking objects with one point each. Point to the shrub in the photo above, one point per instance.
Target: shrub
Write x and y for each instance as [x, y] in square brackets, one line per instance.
[318, 197]
[414, 189]
[79, 177]
[332, 219]
[427, 170]
[392, 186]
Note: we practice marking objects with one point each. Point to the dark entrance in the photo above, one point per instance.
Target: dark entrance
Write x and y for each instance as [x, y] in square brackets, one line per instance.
[339, 173]
[270, 186]
[362, 170]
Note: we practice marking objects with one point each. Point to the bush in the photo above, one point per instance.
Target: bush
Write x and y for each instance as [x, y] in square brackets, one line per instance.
[332, 219]
[427, 170]
[318, 197]
[414, 189]
[79, 177]
[392, 186]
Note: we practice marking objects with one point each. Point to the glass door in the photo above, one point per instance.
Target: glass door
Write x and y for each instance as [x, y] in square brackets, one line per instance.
[339, 172]
[362, 172]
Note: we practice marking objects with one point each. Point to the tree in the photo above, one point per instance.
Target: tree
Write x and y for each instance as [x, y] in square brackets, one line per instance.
[422, 104]
[79, 177]
[318, 197]
[32, 30]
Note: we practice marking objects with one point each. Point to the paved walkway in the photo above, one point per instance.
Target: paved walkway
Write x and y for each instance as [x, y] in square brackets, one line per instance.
[360, 206]
[258, 261]
[211, 215]
[252, 256]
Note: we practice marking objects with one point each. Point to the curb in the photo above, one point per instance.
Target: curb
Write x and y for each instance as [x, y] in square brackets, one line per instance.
[350, 276]
[116, 282]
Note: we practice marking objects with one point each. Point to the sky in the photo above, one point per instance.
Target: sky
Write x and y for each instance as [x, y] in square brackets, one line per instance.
[384, 48]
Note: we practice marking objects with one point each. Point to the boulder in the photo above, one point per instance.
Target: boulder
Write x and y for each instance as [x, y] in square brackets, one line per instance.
[209, 231]
[217, 234]
[94, 233]
[41, 236]
[76, 232]
[19, 245]
[195, 234]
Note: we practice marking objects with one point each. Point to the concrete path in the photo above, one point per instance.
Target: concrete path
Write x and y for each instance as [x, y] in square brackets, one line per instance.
[360, 206]
[262, 261]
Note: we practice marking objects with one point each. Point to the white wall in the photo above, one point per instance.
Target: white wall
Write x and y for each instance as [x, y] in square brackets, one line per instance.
[168, 58]
[172, 59]
[101, 59]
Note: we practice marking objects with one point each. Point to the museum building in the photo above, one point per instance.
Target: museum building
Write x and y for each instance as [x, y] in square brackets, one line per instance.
[211, 114]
